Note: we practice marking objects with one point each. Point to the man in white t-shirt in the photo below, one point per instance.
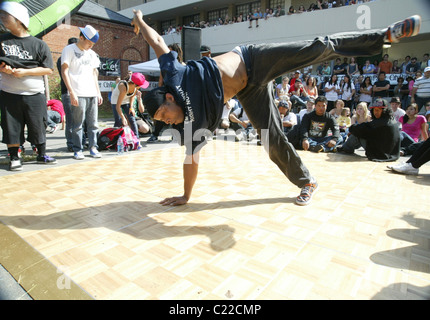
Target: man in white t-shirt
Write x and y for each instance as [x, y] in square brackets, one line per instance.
[398, 112]
[79, 65]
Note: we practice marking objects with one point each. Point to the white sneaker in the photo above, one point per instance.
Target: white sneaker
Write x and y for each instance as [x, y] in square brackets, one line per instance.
[409, 27]
[391, 166]
[406, 168]
[95, 153]
[79, 155]
[239, 137]
[15, 165]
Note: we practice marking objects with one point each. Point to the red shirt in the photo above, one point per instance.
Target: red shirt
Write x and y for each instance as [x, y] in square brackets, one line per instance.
[56, 105]
[385, 66]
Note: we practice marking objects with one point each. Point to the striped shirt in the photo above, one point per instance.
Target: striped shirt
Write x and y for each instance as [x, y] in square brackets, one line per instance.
[423, 87]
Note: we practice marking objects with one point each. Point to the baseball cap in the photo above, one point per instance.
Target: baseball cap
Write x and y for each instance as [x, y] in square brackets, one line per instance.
[379, 103]
[395, 100]
[16, 10]
[284, 104]
[204, 49]
[139, 80]
[90, 33]
[427, 69]
[154, 99]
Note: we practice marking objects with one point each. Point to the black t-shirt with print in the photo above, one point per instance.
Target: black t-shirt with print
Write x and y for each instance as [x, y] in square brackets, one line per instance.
[197, 88]
[25, 52]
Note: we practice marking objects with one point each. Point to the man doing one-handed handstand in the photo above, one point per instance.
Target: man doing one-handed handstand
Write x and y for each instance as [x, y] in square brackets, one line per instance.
[193, 95]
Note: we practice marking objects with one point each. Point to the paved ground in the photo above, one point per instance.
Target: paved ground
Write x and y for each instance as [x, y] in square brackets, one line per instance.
[56, 147]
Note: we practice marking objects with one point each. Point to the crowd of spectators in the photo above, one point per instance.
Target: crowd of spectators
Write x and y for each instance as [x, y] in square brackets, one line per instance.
[268, 13]
[321, 112]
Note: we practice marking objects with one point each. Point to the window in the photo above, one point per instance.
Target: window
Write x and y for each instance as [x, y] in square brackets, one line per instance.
[249, 7]
[273, 4]
[214, 15]
[195, 18]
[165, 25]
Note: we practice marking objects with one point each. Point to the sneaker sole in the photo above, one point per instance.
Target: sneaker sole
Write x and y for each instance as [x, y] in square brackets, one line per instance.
[414, 173]
[412, 23]
[310, 198]
[43, 162]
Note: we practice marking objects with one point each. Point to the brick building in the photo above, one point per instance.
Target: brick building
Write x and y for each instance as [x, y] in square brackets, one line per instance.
[117, 41]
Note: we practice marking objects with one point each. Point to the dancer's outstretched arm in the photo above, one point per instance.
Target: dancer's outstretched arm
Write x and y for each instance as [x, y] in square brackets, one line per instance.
[149, 34]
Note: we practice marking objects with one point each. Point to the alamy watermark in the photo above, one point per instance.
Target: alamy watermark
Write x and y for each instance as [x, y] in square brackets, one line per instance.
[364, 19]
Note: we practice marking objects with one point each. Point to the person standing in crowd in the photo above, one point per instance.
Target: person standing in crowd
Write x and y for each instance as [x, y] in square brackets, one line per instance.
[65, 99]
[421, 91]
[79, 65]
[25, 60]
[381, 87]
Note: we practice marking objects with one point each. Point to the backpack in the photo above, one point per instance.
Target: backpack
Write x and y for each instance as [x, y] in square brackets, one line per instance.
[130, 140]
[108, 138]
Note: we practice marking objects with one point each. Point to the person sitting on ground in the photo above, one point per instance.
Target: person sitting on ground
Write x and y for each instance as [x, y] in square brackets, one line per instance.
[310, 106]
[311, 88]
[380, 137]
[283, 89]
[337, 111]
[344, 120]
[229, 106]
[298, 96]
[289, 119]
[361, 114]
[315, 127]
[56, 115]
[398, 112]
[240, 117]
[414, 126]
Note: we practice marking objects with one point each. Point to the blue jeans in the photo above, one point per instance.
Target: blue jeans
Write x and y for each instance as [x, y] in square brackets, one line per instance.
[323, 141]
[131, 119]
[85, 113]
[65, 99]
[353, 143]
[53, 119]
[117, 119]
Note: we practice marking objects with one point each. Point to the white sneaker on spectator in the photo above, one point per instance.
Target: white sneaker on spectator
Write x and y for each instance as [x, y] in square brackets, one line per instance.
[95, 153]
[15, 165]
[391, 166]
[240, 136]
[406, 168]
[79, 155]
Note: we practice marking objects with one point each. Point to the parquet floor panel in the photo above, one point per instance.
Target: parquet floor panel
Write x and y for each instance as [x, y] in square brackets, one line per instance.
[99, 224]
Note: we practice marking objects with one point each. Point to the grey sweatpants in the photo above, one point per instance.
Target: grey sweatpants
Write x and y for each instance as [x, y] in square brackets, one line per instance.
[265, 62]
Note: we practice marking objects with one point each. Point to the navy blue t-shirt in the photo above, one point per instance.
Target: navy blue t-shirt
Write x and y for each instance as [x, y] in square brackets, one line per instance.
[197, 88]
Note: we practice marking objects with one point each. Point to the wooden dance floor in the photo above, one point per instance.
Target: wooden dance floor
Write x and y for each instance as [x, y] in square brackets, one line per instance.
[94, 229]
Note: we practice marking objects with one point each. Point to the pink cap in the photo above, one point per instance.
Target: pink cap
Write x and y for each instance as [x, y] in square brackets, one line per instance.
[139, 80]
